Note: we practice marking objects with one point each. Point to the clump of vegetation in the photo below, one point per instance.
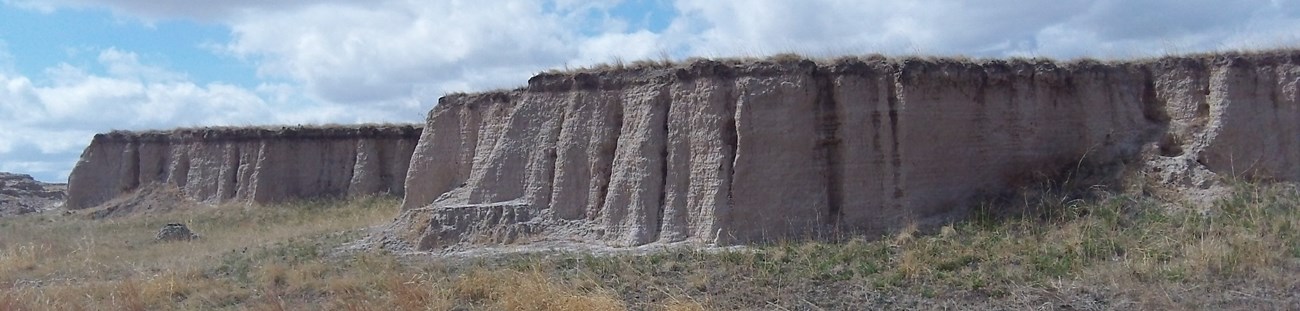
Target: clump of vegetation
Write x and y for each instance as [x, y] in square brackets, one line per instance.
[1112, 251]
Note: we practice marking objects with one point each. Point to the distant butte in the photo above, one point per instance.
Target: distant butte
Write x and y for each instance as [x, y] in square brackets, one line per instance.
[261, 164]
[20, 194]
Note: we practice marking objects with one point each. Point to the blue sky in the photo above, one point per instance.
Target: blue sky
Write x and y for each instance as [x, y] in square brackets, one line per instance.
[39, 40]
[73, 68]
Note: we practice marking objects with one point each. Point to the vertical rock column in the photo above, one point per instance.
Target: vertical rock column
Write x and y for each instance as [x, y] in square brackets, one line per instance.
[779, 188]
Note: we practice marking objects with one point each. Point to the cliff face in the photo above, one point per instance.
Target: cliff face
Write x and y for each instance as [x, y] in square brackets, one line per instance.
[717, 152]
[245, 164]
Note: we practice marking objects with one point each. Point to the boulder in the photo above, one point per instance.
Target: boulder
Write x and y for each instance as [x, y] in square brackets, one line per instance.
[175, 232]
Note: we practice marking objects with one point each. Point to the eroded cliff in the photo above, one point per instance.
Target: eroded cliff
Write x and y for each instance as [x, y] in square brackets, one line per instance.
[21, 194]
[731, 152]
[245, 164]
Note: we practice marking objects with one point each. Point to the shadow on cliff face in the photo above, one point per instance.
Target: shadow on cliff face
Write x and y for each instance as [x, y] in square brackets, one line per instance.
[1052, 192]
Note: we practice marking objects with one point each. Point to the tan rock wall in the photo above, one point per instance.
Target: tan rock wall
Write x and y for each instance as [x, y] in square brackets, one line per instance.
[246, 164]
[732, 152]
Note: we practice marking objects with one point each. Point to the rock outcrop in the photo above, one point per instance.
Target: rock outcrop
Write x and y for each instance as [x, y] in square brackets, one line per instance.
[175, 232]
[245, 164]
[20, 194]
[732, 152]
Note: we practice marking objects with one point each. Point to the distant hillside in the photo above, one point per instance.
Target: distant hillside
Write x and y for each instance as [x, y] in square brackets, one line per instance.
[20, 194]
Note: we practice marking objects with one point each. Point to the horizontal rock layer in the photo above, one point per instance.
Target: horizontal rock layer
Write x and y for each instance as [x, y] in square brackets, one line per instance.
[20, 194]
[731, 152]
[245, 164]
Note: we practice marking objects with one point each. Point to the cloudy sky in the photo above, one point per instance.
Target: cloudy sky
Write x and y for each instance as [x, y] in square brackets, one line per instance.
[72, 68]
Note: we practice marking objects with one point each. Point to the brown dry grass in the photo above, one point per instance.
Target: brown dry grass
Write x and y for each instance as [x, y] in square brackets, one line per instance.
[280, 257]
[250, 128]
[1113, 251]
[666, 62]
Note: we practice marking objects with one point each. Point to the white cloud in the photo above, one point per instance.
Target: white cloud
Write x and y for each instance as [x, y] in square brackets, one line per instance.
[127, 65]
[152, 10]
[405, 53]
[383, 51]
[1067, 28]
[632, 46]
[43, 127]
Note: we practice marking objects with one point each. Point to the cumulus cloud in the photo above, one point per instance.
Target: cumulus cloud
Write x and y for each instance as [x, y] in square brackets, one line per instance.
[377, 52]
[400, 51]
[1067, 28]
[154, 10]
[44, 125]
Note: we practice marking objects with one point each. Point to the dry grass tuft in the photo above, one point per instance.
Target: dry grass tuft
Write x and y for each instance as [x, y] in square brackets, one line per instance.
[514, 290]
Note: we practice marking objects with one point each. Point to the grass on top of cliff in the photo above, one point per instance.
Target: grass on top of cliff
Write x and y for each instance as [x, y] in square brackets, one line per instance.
[1114, 251]
[618, 64]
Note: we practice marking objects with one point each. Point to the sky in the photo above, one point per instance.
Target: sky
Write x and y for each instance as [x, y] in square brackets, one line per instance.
[73, 68]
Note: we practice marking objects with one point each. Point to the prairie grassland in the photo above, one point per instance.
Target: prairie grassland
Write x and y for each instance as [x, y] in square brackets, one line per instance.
[1111, 251]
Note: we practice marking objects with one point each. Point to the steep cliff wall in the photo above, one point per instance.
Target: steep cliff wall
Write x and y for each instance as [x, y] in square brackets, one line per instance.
[732, 152]
[245, 164]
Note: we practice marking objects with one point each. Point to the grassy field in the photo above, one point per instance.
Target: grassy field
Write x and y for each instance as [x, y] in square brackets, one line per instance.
[1111, 251]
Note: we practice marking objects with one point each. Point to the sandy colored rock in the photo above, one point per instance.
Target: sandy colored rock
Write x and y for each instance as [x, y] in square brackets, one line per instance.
[733, 152]
[245, 164]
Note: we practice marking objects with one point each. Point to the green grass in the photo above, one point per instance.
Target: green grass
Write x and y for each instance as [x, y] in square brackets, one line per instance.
[1111, 251]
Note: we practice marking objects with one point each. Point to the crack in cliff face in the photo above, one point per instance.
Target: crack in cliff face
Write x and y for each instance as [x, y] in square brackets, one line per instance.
[230, 173]
[553, 158]
[828, 140]
[132, 177]
[661, 202]
[607, 156]
[730, 141]
[561, 180]
[896, 157]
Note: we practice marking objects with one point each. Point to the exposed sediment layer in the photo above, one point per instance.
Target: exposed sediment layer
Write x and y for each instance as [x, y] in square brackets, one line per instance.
[734, 152]
[269, 164]
[21, 194]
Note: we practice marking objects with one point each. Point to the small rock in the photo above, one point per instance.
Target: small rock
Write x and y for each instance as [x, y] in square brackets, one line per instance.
[175, 232]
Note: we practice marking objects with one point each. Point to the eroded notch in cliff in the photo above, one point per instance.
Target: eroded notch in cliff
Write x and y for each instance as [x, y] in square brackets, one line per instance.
[1155, 111]
[828, 145]
[131, 180]
[608, 151]
[731, 142]
[896, 157]
[552, 156]
[230, 173]
[664, 108]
